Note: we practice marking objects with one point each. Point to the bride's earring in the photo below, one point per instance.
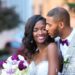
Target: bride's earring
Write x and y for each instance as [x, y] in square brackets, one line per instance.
[37, 49]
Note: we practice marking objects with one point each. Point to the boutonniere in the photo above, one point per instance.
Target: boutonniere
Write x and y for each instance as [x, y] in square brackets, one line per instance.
[67, 59]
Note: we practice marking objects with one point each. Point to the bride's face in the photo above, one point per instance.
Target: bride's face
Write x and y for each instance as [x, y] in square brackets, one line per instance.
[39, 32]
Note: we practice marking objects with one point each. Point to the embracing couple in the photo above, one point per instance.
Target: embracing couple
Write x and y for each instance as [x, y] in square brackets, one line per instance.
[40, 37]
[58, 26]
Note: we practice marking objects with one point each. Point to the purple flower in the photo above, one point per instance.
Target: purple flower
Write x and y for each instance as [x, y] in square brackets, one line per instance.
[15, 57]
[1, 63]
[21, 65]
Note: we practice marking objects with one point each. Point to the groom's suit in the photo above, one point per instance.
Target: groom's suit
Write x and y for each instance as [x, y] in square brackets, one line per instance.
[68, 52]
[69, 68]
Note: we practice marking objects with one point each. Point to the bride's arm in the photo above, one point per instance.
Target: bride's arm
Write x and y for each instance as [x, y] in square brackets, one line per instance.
[53, 59]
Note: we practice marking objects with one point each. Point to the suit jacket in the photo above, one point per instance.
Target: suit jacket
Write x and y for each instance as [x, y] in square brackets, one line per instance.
[69, 68]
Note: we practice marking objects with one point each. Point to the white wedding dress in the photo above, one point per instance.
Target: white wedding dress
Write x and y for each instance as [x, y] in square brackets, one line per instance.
[38, 69]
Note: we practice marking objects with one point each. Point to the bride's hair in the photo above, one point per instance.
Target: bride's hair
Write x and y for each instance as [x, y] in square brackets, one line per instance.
[28, 39]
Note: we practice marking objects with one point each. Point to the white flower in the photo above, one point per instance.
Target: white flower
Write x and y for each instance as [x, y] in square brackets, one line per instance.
[21, 57]
[66, 59]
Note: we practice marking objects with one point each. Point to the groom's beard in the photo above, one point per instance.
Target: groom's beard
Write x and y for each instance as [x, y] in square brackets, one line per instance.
[56, 34]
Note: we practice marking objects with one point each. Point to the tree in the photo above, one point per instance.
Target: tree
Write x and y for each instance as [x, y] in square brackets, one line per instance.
[8, 18]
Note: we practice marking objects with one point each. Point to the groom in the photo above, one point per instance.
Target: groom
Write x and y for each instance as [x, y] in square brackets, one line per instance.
[58, 26]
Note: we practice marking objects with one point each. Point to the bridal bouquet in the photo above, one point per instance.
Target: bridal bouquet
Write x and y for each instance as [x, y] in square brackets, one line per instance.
[15, 65]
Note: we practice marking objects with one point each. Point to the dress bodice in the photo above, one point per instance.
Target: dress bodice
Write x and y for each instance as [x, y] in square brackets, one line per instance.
[38, 69]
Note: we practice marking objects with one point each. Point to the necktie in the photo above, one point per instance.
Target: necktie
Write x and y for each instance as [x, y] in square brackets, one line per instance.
[64, 42]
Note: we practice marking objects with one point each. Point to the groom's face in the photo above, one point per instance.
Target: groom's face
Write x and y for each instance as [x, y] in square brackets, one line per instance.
[52, 26]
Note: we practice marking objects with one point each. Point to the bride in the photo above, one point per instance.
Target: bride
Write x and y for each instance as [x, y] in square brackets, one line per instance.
[44, 52]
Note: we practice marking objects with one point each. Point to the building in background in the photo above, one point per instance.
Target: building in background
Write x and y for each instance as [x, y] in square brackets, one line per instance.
[24, 9]
[43, 6]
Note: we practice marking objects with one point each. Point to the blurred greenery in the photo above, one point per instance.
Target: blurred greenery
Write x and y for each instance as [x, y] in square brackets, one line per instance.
[71, 5]
[8, 18]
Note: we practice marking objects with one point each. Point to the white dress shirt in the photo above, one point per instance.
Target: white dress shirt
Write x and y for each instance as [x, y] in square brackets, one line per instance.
[64, 47]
